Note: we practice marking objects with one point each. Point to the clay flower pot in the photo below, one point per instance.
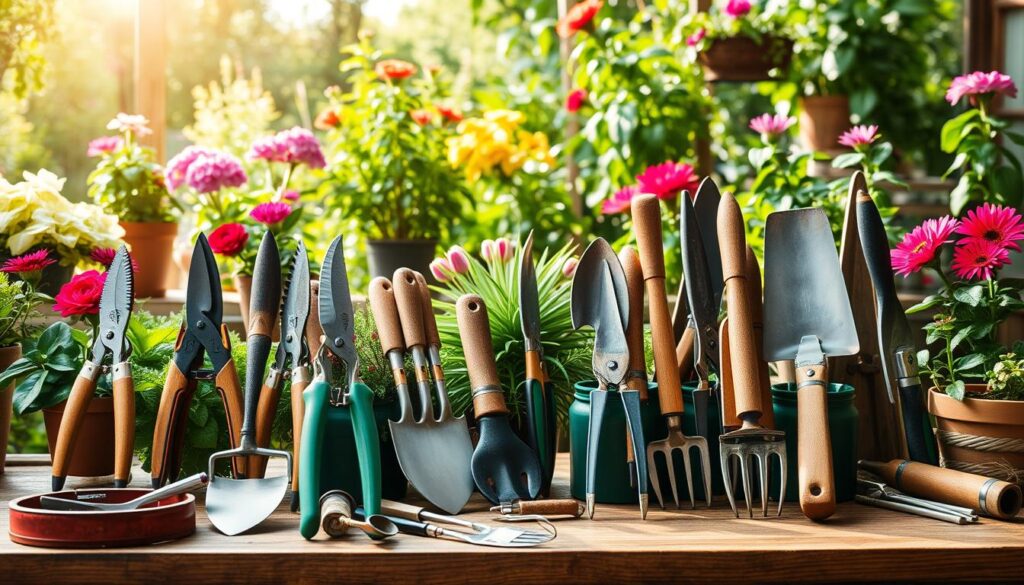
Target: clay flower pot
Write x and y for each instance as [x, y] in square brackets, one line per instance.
[823, 119]
[978, 435]
[94, 452]
[741, 58]
[152, 248]
[8, 355]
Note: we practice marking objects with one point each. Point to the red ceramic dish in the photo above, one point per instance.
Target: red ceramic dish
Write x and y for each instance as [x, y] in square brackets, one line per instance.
[169, 519]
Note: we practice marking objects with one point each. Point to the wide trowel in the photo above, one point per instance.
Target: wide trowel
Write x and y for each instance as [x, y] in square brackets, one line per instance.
[807, 316]
[236, 505]
[600, 299]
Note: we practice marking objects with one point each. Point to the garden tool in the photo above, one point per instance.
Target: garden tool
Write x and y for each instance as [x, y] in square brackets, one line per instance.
[337, 321]
[895, 341]
[539, 393]
[336, 507]
[236, 505]
[434, 454]
[415, 520]
[752, 440]
[504, 467]
[636, 378]
[201, 332]
[647, 223]
[115, 310]
[520, 511]
[873, 490]
[292, 361]
[600, 300]
[809, 320]
[87, 501]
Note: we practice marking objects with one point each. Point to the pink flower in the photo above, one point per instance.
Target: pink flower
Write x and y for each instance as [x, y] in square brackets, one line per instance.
[105, 257]
[575, 100]
[499, 250]
[103, 145]
[1000, 225]
[692, 40]
[137, 124]
[620, 200]
[771, 126]
[737, 8]
[214, 171]
[458, 259]
[919, 246]
[668, 179]
[177, 167]
[290, 195]
[228, 239]
[28, 263]
[295, 146]
[267, 148]
[569, 266]
[271, 212]
[859, 136]
[81, 295]
[441, 269]
[977, 258]
[980, 83]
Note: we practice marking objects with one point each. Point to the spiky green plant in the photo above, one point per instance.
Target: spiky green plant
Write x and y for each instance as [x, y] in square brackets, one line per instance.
[567, 352]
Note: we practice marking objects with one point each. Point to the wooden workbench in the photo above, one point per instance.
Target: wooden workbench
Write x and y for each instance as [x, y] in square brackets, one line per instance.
[858, 544]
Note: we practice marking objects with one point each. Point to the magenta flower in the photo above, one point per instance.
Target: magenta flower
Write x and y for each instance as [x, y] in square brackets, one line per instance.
[177, 167]
[569, 266]
[920, 246]
[771, 126]
[441, 269]
[267, 148]
[103, 145]
[290, 195]
[28, 263]
[737, 8]
[977, 258]
[692, 40]
[458, 259]
[575, 100]
[668, 179]
[620, 200]
[214, 171]
[1000, 225]
[859, 136]
[296, 146]
[980, 83]
[499, 250]
[272, 212]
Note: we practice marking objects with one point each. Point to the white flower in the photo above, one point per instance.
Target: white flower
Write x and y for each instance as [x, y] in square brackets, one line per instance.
[137, 124]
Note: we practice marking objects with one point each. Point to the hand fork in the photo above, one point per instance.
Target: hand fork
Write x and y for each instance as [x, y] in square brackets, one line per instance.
[677, 440]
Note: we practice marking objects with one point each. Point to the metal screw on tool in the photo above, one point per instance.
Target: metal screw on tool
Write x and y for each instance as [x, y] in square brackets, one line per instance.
[613, 365]
[200, 325]
[339, 341]
[110, 335]
[810, 372]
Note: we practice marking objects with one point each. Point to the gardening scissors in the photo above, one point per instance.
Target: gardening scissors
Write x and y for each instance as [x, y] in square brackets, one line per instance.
[202, 332]
[337, 319]
[292, 361]
[115, 310]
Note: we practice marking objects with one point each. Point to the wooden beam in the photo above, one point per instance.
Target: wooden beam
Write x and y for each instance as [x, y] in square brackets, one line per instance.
[150, 71]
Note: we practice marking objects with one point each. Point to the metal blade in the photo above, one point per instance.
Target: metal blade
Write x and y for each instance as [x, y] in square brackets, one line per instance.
[203, 292]
[236, 505]
[529, 304]
[336, 313]
[705, 204]
[600, 299]
[700, 294]
[436, 457]
[295, 308]
[116, 302]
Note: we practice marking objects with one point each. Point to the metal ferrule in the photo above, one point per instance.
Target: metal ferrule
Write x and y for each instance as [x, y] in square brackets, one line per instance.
[906, 368]
[808, 383]
[983, 497]
[122, 370]
[301, 374]
[273, 378]
[636, 375]
[422, 373]
[397, 366]
[486, 389]
[90, 371]
[507, 508]
[434, 353]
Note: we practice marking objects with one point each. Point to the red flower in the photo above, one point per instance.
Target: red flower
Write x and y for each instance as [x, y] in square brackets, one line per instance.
[421, 117]
[449, 113]
[977, 258]
[668, 179]
[80, 296]
[919, 246]
[327, 119]
[394, 69]
[27, 263]
[578, 17]
[105, 257]
[575, 100]
[997, 224]
[228, 239]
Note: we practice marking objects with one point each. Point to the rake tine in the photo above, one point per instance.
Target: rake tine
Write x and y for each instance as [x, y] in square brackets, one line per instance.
[672, 477]
[652, 471]
[745, 472]
[728, 480]
[782, 478]
[705, 457]
[762, 462]
[689, 476]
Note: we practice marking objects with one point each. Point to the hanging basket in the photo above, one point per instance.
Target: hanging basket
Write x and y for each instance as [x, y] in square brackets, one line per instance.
[744, 59]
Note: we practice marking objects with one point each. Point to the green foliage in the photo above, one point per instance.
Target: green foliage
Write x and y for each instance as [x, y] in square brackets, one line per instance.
[48, 368]
[18, 303]
[1006, 379]
[871, 160]
[764, 19]
[989, 172]
[129, 183]
[25, 25]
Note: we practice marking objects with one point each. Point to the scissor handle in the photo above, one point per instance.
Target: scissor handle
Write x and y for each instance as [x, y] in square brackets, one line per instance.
[315, 399]
[124, 423]
[74, 414]
[364, 429]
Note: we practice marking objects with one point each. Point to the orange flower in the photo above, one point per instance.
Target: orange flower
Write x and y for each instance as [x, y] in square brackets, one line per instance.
[449, 113]
[421, 117]
[394, 69]
[327, 119]
[578, 17]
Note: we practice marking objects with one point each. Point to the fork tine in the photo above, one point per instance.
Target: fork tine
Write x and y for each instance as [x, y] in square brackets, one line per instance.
[705, 457]
[652, 472]
[762, 463]
[745, 472]
[689, 475]
[672, 477]
[782, 478]
[727, 479]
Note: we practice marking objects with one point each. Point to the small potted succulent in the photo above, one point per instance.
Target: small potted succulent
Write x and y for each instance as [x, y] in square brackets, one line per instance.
[741, 40]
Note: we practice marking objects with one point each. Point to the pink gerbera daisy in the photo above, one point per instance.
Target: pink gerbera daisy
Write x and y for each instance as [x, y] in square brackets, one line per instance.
[998, 224]
[980, 83]
[28, 263]
[620, 201]
[920, 245]
[977, 258]
[859, 136]
[271, 212]
[668, 179]
[771, 126]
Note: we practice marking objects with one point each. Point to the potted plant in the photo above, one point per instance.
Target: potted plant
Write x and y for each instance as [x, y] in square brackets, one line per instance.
[388, 164]
[980, 427]
[129, 184]
[740, 40]
[35, 216]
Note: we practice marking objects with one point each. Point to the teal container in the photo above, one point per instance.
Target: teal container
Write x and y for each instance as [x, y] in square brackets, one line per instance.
[613, 471]
[339, 469]
[842, 427]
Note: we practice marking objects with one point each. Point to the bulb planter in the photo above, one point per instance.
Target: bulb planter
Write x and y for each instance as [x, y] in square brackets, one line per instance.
[8, 355]
[387, 256]
[823, 119]
[744, 59]
[94, 454]
[152, 248]
[979, 435]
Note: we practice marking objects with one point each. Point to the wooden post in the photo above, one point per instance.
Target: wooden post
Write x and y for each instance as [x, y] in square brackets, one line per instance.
[150, 71]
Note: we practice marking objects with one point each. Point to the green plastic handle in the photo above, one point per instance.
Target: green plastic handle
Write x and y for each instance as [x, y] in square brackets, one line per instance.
[310, 452]
[364, 427]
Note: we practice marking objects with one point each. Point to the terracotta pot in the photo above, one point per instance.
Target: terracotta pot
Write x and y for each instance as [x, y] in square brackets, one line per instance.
[8, 355]
[978, 435]
[243, 284]
[386, 256]
[94, 451]
[823, 119]
[152, 248]
[741, 58]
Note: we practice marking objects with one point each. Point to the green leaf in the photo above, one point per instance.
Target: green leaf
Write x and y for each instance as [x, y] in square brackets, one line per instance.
[969, 361]
[847, 160]
[759, 156]
[922, 358]
[970, 295]
[55, 336]
[881, 153]
[927, 303]
[954, 130]
[959, 337]
[960, 196]
[956, 390]
[27, 392]
[1016, 137]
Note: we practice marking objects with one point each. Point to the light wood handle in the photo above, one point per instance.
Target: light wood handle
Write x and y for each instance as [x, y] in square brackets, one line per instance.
[729, 418]
[814, 446]
[410, 307]
[685, 353]
[429, 321]
[551, 507]
[298, 412]
[635, 331]
[475, 331]
[400, 510]
[385, 315]
[124, 423]
[266, 411]
[754, 296]
[231, 396]
[174, 401]
[647, 224]
[71, 421]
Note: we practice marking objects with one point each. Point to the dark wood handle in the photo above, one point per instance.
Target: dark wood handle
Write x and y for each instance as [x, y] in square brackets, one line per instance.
[230, 391]
[429, 321]
[266, 411]
[71, 421]
[551, 507]
[756, 300]
[475, 331]
[814, 446]
[385, 314]
[124, 423]
[174, 402]
[410, 307]
[635, 331]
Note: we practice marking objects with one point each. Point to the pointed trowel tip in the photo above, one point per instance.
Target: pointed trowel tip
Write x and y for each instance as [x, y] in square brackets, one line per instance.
[590, 506]
[643, 506]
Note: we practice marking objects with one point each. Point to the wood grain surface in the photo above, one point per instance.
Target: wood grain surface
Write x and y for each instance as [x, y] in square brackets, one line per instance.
[859, 543]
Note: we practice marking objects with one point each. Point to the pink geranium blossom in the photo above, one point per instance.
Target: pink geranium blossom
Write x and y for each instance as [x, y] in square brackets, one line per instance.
[859, 136]
[668, 179]
[976, 258]
[1000, 225]
[737, 8]
[177, 167]
[214, 171]
[620, 200]
[295, 146]
[771, 126]
[980, 83]
[103, 145]
[920, 246]
[28, 263]
[692, 40]
[271, 213]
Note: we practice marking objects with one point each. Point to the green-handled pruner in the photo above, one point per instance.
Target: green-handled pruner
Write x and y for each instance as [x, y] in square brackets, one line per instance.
[337, 322]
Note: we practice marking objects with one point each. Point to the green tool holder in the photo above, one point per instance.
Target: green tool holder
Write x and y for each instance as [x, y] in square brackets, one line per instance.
[340, 467]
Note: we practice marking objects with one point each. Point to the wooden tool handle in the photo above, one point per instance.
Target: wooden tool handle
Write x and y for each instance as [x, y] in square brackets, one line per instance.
[757, 318]
[732, 242]
[475, 331]
[814, 446]
[551, 507]
[991, 497]
[400, 510]
[725, 387]
[124, 423]
[635, 331]
[685, 353]
[174, 400]
[298, 412]
[647, 223]
[266, 411]
[335, 508]
[71, 421]
[429, 321]
[410, 307]
[385, 315]
[230, 391]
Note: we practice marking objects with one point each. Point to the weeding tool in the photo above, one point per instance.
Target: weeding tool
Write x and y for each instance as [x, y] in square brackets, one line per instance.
[202, 332]
[420, 522]
[236, 505]
[808, 316]
[636, 378]
[115, 311]
[752, 439]
[336, 508]
[600, 299]
[520, 511]
[504, 467]
[87, 501]
[647, 223]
